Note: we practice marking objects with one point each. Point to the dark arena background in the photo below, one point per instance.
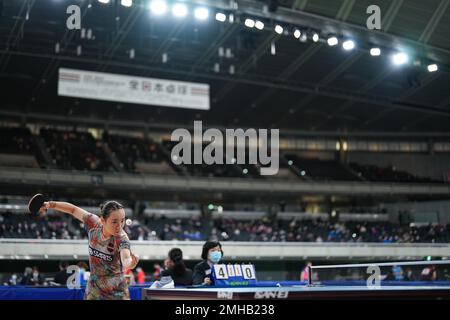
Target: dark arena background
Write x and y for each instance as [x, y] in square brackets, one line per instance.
[328, 120]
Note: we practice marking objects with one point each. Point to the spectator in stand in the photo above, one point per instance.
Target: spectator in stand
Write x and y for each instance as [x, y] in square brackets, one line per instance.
[428, 273]
[140, 275]
[398, 273]
[446, 274]
[12, 280]
[26, 277]
[156, 271]
[36, 277]
[409, 275]
[304, 275]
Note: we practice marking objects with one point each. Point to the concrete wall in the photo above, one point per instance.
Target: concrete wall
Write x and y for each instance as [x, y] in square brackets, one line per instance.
[239, 251]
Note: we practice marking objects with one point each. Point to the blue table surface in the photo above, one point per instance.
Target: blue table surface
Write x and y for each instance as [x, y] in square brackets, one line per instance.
[63, 293]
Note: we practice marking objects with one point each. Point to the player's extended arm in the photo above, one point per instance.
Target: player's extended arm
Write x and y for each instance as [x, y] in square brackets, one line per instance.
[65, 207]
[129, 260]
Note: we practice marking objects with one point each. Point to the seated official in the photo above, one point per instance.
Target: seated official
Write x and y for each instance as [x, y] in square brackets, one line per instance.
[176, 269]
[61, 276]
[211, 255]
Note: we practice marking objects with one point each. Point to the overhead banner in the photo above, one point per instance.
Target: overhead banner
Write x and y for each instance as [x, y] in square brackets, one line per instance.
[130, 89]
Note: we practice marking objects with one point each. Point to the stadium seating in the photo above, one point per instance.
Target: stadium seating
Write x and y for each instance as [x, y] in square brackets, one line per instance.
[74, 150]
[389, 174]
[317, 169]
[266, 229]
[21, 149]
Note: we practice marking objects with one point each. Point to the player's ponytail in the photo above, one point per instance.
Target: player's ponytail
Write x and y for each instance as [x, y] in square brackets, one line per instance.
[176, 255]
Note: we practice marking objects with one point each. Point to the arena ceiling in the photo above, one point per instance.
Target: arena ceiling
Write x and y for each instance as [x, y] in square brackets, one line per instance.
[305, 86]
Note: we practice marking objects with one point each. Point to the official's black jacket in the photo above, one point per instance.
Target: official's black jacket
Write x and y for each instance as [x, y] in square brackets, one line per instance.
[179, 280]
[201, 271]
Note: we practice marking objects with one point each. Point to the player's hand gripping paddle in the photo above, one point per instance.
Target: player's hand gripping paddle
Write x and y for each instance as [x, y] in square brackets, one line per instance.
[35, 204]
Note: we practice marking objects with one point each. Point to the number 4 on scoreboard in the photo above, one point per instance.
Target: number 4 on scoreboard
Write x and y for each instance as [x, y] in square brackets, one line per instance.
[221, 271]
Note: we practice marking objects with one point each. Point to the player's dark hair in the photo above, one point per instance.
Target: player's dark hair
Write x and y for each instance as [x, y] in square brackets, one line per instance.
[176, 255]
[109, 206]
[209, 245]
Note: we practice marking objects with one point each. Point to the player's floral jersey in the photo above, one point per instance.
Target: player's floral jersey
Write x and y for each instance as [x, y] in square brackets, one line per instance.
[107, 279]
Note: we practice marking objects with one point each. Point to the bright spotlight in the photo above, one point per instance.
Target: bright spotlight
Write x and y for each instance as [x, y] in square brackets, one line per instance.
[249, 23]
[221, 17]
[179, 10]
[315, 37]
[103, 1]
[432, 68]
[278, 29]
[158, 7]
[201, 13]
[399, 58]
[332, 41]
[126, 3]
[297, 33]
[259, 25]
[348, 45]
[375, 52]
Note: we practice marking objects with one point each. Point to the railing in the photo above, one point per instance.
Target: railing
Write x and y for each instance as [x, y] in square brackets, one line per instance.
[137, 182]
[244, 251]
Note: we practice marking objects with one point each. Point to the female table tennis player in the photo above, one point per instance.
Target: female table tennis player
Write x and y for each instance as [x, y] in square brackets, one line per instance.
[109, 249]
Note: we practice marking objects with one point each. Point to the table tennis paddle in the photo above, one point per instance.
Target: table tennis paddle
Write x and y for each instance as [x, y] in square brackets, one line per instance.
[35, 204]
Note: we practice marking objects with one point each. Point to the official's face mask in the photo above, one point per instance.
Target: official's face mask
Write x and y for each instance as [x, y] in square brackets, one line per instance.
[215, 256]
